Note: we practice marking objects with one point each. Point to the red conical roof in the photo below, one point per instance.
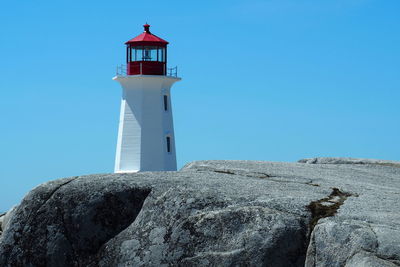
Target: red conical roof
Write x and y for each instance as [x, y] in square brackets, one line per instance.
[147, 38]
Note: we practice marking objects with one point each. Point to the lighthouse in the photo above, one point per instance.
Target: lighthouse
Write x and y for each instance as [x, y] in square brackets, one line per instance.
[146, 140]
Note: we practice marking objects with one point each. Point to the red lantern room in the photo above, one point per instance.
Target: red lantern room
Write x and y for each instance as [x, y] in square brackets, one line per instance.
[146, 54]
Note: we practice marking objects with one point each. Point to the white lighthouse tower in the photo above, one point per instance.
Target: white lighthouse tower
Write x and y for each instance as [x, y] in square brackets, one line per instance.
[146, 133]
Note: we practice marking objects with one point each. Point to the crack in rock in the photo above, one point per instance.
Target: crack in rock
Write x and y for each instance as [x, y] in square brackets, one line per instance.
[326, 207]
[244, 173]
[312, 184]
[224, 171]
[323, 208]
[261, 175]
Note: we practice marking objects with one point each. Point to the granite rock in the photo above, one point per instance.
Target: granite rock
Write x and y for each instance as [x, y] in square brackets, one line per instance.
[213, 213]
[1, 222]
[5, 218]
[330, 160]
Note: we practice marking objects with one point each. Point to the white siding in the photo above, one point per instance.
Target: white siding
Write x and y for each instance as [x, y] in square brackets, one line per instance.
[144, 125]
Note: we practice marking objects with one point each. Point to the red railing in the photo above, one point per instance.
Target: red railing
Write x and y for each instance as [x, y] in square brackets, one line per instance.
[144, 68]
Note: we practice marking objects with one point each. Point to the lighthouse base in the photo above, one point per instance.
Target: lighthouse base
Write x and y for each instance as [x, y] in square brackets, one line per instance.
[146, 134]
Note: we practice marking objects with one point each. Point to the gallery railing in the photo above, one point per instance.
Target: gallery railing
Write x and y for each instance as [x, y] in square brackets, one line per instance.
[122, 70]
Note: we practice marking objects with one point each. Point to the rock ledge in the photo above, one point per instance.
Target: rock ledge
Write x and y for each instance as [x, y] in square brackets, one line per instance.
[342, 212]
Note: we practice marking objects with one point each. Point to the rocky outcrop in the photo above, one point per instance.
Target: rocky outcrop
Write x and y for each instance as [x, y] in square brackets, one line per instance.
[5, 218]
[2, 215]
[213, 213]
[350, 161]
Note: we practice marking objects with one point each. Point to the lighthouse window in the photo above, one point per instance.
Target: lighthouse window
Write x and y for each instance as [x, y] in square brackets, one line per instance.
[161, 54]
[168, 144]
[147, 53]
[165, 102]
[137, 53]
[150, 53]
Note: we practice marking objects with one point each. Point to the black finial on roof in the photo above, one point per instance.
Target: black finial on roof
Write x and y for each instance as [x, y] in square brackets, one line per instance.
[147, 28]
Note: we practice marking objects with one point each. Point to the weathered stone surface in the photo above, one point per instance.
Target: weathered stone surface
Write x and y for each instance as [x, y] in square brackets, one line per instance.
[5, 218]
[1, 222]
[213, 213]
[350, 161]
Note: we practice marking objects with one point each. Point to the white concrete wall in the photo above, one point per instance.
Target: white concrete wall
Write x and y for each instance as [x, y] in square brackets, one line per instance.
[144, 124]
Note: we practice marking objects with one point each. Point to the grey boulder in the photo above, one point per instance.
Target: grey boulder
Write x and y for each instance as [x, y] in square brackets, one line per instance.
[213, 213]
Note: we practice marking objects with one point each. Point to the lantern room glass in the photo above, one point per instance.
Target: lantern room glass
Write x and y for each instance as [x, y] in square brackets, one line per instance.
[147, 53]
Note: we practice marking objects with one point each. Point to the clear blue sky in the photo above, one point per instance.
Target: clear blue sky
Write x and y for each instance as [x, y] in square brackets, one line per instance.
[273, 80]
